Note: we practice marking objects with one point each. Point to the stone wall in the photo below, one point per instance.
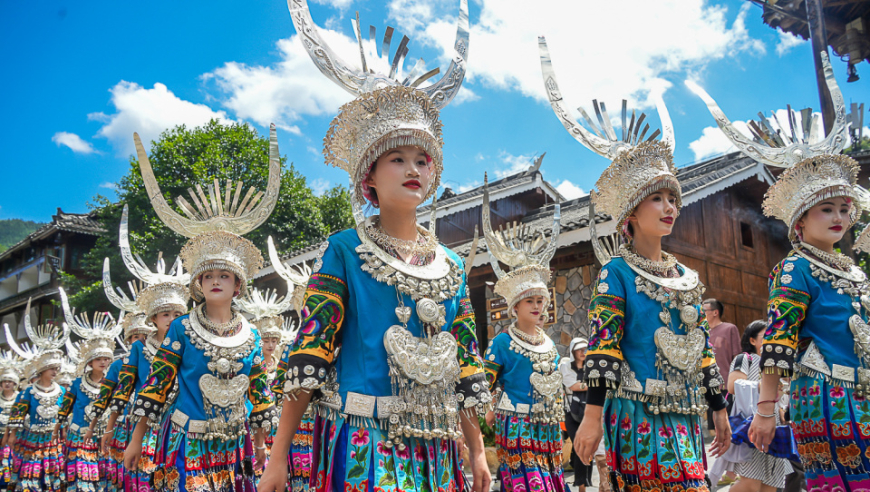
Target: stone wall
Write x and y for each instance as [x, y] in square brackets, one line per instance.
[573, 293]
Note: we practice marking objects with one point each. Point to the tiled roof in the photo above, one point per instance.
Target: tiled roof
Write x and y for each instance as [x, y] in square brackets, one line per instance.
[62, 221]
[81, 223]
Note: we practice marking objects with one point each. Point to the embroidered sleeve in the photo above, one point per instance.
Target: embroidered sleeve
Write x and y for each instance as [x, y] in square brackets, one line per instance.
[264, 414]
[786, 311]
[126, 379]
[20, 410]
[607, 321]
[492, 363]
[713, 381]
[107, 388]
[305, 363]
[164, 371]
[69, 399]
[472, 388]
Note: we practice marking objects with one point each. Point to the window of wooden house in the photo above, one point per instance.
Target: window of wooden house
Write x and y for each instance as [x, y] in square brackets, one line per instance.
[746, 235]
[76, 255]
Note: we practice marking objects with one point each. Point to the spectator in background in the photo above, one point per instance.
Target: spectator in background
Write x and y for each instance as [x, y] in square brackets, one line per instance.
[571, 368]
[725, 340]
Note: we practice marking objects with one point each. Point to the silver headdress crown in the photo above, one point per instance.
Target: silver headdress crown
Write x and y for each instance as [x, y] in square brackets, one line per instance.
[11, 366]
[296, 278]
[639, 168]
[98, 333]
[267, 308]
[164, 292]
[216, 223]
[527, 252]
[136, 324]
[47, 340]
[814, 171]
[389, 111]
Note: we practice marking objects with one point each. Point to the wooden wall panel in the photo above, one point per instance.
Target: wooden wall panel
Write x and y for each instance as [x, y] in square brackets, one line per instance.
[724, 278]
[719, 224]
[754, 286]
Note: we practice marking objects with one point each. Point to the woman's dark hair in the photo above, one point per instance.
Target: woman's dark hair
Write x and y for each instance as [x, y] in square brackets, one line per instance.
[752, 330]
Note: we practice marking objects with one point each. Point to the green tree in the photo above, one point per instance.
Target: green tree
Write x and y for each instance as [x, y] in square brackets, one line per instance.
[181, 158]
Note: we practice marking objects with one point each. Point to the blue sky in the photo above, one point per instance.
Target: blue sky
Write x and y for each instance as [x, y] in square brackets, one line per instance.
[80, 77]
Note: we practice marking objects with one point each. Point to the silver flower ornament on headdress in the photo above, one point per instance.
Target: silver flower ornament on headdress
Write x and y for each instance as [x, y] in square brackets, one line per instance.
[815, 170]
[389, 111]
[640, 165]
[98, 333]
[266, 307]
[46, 339]
[216, 222]
[527, 252]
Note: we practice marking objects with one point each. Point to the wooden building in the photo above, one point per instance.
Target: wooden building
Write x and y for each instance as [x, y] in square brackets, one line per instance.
[27, 269]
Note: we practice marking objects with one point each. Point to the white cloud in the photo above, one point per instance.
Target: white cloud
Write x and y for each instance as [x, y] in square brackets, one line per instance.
[108, 185]
[503, 51]
[464, 95]
[337, 4]
[285, 92]
[786, 42]
[569, 190]
[713, 142]
[513, 164]
[74, 142]
[148, 112]
[319, 186]
[469, 186]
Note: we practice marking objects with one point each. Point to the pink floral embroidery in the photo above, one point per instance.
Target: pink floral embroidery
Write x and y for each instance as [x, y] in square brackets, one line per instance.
[666, 432]
[626, 424]
[644, 428]
[681, 430]
[383, 449]
[814, 391]
[837, 392]
[360, 437]
[613, 419]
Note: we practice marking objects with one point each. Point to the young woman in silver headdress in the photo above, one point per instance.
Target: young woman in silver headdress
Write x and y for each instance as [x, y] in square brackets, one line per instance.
[216, 425]
[522, 363]
[10, 377]
[153, 309]
[818, 308]
[92, 356]
[266, 309]
[38, 451]
[650, 368]
[386, 292]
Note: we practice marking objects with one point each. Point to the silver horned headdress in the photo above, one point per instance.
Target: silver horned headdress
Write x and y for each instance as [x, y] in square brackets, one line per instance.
[216, 222]
[297, 278]
[267, 307]
[527, 252]
[815, 170]
[389, 110]
[98, 333]
[641, 165]
[47, 340]
[11, 366]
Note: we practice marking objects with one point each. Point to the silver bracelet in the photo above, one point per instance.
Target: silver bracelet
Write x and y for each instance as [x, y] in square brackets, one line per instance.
[259, 447]
[767, 416]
